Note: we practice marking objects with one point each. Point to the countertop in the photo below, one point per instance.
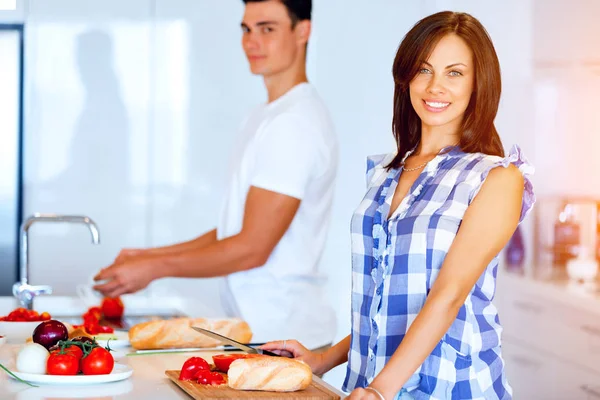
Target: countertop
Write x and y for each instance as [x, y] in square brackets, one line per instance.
[555, 287]
[147, 382]
[571, 303]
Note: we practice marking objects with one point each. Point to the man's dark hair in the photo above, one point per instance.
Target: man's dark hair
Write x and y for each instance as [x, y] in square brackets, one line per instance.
[298, 10]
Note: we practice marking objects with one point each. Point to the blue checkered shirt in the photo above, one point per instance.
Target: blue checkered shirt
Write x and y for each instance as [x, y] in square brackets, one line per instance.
[395, 263]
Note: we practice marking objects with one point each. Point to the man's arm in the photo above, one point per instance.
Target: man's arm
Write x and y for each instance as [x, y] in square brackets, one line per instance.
[199, 242]
[267, 216]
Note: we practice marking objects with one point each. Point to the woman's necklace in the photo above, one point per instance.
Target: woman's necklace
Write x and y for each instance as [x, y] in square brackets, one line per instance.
[415, 168]
[419, 166]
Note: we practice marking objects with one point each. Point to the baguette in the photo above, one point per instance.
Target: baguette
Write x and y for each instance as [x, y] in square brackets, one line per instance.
[274, 374]
[177, 333]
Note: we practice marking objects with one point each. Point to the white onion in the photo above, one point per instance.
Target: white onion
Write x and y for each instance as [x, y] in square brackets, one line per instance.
[32, 359]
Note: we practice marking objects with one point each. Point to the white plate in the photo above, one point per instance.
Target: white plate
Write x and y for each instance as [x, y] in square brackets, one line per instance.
[119, 373]
[121, 339]
[2, 340]
[99, 391]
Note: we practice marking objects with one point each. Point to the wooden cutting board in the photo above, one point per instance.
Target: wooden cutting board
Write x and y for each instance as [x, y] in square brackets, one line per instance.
[315, 391]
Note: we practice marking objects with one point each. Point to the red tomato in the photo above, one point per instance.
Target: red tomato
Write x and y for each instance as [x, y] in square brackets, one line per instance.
[18, 312]
[112, 307]
[98, 362]
[17, 315]
[32, 315]
[191, 367]
[23, 315]
[206, 377]
[73, 350]
[91, 317]
[93, 314]
[223, 361]
[62, 364]
[105, 329]
[92, 327]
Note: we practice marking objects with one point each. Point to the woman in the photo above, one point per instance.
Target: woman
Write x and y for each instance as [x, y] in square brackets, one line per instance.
[426, 237]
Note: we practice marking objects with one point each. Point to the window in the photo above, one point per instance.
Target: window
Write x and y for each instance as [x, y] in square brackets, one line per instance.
[11, 89]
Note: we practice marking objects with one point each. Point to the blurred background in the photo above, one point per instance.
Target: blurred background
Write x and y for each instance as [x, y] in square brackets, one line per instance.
[125, 111]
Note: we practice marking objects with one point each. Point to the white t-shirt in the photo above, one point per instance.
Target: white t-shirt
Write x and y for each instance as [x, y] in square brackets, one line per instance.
[286, 146]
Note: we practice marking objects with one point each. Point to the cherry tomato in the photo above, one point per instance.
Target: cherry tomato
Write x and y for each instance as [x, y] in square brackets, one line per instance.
[18, 312]
[112, 307]
[62, 364]
[223, 361]
[32, 315]
[206, 377]
[191, 366]
[24, 315]
[17, 315]
[98, 362]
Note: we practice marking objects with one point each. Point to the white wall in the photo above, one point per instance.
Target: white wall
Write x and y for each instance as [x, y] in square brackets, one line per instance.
[131, 107]
[16, 15]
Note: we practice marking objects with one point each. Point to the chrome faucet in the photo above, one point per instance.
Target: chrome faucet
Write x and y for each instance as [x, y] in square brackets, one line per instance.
[23, 291]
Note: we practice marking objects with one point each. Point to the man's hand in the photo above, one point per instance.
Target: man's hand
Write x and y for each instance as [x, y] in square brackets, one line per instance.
[128, 254]
[129, 276]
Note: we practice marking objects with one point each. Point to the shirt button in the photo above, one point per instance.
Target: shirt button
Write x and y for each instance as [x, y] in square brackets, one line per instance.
[374, 324]
[379, 290]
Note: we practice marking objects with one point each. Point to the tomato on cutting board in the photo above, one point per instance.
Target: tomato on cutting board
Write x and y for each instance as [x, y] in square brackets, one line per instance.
[223, 361]
[191, 367]
[206, 377]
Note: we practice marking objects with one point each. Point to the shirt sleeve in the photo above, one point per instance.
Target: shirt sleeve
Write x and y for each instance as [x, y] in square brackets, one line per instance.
[287, 156]
[516, 158]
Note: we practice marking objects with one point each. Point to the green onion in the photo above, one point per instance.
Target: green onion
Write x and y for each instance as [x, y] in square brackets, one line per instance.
[16, 377]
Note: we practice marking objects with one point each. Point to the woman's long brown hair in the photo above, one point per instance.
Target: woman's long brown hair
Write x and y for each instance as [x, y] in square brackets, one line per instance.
[478, 133]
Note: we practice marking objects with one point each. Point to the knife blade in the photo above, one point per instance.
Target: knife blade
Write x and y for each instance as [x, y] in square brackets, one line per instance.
[241, 346]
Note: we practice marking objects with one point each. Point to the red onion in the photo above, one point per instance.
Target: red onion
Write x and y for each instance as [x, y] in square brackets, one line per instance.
[48, 333]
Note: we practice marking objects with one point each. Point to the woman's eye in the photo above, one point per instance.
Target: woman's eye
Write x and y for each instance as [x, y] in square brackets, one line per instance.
[455, 73]
[424, 71]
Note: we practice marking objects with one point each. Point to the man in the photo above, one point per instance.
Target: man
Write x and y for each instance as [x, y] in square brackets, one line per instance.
[274, 221]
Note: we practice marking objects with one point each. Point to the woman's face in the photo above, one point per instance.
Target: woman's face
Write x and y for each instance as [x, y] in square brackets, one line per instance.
[441, 90]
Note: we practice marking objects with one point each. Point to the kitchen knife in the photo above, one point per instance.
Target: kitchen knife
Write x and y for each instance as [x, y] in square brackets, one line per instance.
[227, 347]
[241, 346]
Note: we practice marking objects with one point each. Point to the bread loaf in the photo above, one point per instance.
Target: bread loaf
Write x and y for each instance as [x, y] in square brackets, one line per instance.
[275, 374]
[177, 333]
